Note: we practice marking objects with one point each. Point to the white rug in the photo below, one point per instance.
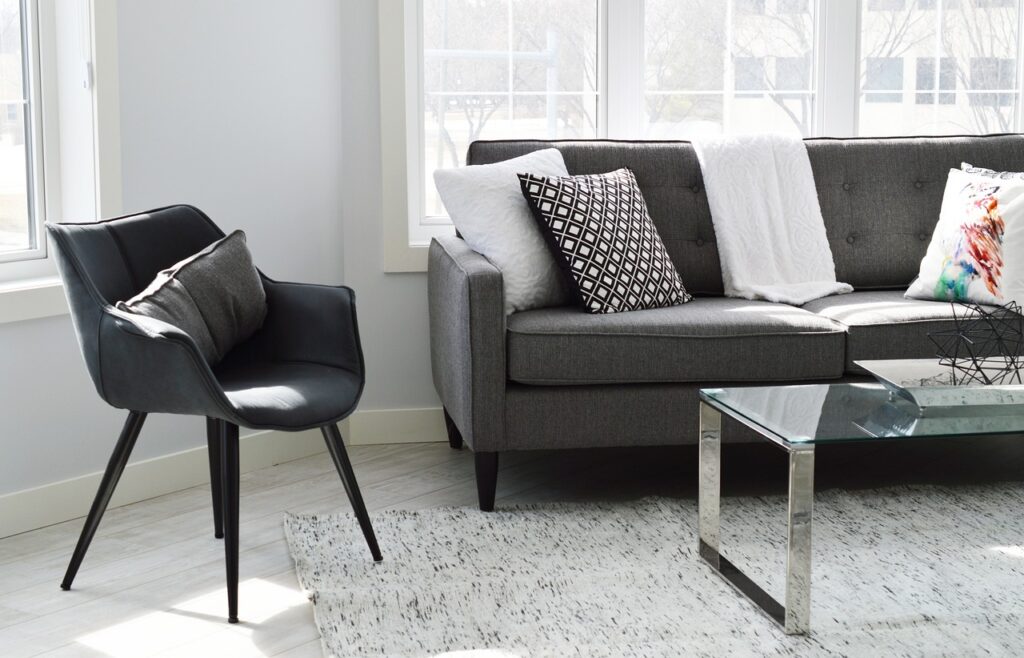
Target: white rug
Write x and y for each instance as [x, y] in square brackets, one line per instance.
[916, 571]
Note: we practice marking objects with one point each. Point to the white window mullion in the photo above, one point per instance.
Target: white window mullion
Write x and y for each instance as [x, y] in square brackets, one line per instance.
[602, 69]
[511, 108]
[624, 53]
[838, 68]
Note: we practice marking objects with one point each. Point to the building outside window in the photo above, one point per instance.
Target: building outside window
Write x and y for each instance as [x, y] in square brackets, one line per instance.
[943, 88]
[883, 74]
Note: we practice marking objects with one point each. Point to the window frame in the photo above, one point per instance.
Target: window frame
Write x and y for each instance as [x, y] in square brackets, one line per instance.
[31, 262]
[836, 75]
[30, 289]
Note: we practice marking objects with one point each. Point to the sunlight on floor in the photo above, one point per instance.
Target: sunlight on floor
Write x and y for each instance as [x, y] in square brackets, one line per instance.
[1012, 551]
[173, 632]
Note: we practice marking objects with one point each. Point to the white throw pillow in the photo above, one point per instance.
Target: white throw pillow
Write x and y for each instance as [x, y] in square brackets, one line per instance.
[977, 250]
[991, 173]
[488, 209]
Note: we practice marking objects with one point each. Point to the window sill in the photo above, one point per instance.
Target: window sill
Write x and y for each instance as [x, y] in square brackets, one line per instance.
[405, 258]
[32, 299]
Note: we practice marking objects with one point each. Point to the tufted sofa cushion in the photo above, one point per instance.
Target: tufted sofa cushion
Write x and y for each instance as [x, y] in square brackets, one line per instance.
[709, 339]
[883, 324]
[880, 197]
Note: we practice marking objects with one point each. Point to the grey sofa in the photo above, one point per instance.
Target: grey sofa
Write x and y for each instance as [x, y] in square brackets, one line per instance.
[562, 378]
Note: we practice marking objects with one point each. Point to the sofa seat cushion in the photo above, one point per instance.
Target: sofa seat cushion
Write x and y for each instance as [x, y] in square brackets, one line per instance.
[711, 339]
[883, 324]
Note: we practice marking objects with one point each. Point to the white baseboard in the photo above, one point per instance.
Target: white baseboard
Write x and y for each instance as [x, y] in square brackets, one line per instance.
[68, 499]
[45, 505]
[375, 427]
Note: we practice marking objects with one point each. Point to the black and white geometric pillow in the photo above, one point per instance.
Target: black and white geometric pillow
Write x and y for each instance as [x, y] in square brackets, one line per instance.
[605, 239]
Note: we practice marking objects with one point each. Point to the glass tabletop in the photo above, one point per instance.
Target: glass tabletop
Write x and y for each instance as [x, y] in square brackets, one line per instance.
[823, 413]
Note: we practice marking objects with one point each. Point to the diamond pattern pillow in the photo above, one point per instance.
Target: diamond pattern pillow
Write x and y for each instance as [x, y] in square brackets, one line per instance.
[604, 238]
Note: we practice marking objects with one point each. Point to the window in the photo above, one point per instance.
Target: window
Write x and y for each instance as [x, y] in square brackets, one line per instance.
[750, 6]
[886, 5]
[793, 6]
[963, 58]
[770, 52]
[793, 73]
[503, 69]
[58, 141]
[750, 74]
[21, 211]
[926, 81]
[988, 73]
[934, 4]
[883, 73]
[458, 70]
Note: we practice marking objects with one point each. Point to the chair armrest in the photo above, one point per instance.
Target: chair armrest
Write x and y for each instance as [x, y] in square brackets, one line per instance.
[312, 323]
[467, 340]
[151, 366]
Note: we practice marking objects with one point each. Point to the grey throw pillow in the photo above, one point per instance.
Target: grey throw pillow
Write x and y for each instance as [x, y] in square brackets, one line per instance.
[215, 296]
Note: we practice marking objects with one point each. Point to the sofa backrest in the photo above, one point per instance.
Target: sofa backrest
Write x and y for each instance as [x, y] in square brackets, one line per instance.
[880, 197]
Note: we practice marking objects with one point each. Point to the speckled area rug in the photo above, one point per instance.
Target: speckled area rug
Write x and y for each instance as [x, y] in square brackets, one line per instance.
[914, 571]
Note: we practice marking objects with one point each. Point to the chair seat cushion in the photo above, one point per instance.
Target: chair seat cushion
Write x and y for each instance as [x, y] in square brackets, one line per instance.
[883, 324]
[288, 394]
[707, 340]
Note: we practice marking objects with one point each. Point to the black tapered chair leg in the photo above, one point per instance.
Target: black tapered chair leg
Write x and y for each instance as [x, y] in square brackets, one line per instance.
[213, 450]
[115, 467]
[486, 478]
[229, 501]
[454, 435]
[336, 446]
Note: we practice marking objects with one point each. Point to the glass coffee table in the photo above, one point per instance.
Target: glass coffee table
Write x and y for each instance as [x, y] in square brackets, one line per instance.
[796, 419]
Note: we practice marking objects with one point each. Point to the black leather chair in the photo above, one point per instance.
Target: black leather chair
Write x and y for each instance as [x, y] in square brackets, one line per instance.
[302, 370]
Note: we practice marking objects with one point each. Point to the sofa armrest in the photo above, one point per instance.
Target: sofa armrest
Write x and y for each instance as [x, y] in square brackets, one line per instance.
[467, 340]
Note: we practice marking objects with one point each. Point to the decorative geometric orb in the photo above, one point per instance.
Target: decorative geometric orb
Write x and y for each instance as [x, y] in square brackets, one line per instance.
[986, 347]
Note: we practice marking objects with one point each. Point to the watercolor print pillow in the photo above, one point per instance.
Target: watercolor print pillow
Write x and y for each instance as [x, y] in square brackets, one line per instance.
[977, 250]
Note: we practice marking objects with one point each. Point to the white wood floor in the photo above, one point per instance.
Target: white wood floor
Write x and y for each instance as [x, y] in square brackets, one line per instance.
[153, 580]
[152, 583]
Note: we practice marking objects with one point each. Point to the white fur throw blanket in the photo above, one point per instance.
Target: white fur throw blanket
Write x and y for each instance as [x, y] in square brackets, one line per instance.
[768, 226]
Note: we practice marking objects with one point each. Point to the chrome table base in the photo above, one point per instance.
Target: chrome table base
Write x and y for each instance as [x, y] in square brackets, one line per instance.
[795, 614]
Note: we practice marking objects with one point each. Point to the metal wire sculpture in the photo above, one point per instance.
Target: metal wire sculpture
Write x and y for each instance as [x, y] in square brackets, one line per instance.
[985, 347]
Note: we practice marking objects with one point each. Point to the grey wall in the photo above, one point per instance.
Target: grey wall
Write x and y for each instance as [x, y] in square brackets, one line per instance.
[234, 106]
[266, 116]
[392, 307]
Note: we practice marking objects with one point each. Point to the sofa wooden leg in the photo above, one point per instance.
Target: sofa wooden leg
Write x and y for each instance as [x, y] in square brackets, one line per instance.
[486, 478]
[454, 435]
